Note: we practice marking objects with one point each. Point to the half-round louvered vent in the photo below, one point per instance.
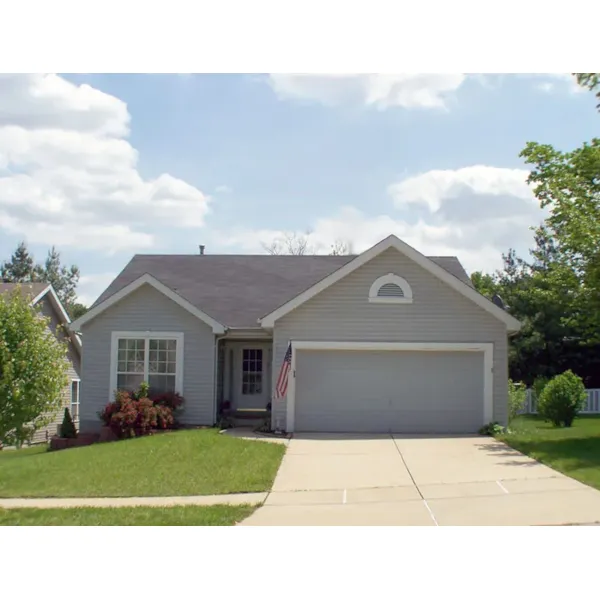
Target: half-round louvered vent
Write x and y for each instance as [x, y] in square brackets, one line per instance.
[390, 290]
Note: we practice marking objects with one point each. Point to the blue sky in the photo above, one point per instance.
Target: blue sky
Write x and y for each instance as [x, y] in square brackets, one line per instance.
[104, 166]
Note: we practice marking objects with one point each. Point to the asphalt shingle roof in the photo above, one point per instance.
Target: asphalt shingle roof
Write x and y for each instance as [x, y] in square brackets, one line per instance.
[30, 289]
[237, 290]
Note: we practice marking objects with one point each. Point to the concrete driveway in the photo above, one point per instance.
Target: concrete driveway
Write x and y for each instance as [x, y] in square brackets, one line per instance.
[337, 479]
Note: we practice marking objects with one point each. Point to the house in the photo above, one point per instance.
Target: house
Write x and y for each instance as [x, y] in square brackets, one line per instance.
[43, 297]
[388, 340]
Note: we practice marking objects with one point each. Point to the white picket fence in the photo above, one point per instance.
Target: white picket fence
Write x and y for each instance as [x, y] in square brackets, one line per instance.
[592, 403]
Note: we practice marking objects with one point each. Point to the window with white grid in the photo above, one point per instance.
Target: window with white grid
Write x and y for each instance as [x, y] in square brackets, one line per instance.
[154, 358]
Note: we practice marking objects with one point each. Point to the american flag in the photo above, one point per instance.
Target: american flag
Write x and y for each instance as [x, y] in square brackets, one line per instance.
[282, 380]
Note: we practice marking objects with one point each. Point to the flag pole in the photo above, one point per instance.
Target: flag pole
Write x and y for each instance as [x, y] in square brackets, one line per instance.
[281, 387]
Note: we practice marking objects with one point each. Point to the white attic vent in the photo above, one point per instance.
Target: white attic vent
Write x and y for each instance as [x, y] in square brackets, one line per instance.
[391, 289]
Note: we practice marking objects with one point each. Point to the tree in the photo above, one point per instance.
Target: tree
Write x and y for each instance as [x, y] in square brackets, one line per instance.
[20, 268]
[68, 429]
[591, 81]
[485, 284]
[290, 243]
[568, 184]
[555, 293]
[300, 245]
[33, 370]
[341, 248]
[63, 279]
[77, 309]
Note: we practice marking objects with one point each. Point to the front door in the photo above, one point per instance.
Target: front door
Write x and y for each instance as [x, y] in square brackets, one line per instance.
[251, 381]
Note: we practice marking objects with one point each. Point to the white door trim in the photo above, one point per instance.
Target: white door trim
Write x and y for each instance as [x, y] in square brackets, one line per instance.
[486, 348]
[238, 346]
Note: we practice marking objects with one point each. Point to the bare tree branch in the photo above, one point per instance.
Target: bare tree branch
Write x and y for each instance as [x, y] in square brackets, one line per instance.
[301, 245]
[341, 248]
[290, 243]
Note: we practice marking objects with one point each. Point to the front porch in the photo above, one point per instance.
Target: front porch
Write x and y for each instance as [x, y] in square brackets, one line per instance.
[244, 380]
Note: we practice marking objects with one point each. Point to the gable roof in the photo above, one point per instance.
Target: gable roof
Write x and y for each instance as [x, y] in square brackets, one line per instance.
[29, 289]
[36, 291]
[147, 279]
[426, 263]
[237, 290]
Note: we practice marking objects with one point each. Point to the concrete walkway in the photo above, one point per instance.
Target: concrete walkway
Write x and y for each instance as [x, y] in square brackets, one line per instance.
[233, 499]
[418, 480]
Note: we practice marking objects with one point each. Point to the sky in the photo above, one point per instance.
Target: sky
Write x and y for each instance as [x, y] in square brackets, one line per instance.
[107, 166]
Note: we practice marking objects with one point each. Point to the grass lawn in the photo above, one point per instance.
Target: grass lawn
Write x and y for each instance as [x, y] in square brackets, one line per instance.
[574, 451]
[177, 515]
[182, 463]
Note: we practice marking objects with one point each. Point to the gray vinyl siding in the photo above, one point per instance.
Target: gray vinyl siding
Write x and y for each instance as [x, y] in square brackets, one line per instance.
[145, 310]
[389, 391]
[438, 313]
[73, 370]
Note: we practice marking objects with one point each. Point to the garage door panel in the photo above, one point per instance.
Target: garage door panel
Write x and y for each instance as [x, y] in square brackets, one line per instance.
[397, 391]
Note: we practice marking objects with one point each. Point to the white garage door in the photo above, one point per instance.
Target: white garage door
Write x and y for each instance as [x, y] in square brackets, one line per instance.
[389, 391]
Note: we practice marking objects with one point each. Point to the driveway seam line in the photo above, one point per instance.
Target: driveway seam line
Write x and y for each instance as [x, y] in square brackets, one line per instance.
[430, 512]
[502, 487]
[414, 482]
[406, 467]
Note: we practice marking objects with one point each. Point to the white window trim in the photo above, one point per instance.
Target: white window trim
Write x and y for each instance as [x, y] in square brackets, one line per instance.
[396, 280]
[486, 348]
[145, 335]
[78, 380]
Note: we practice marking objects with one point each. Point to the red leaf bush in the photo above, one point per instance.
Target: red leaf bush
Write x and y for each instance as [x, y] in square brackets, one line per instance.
[171, 400]
[134, 414]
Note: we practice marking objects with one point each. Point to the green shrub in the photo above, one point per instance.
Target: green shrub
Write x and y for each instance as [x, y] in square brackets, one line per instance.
[491, 429]
[517, 397]
[538, 386]
[67, 429]
[561, 399]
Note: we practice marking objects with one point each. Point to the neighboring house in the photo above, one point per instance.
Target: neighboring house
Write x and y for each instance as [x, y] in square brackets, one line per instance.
[389, 340]
[44, 298]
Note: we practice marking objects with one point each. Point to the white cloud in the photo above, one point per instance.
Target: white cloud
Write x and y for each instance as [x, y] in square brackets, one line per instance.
[68, 176]
[433, 188]
[556, 82]
[381, 91]
[476, 213]
[51, 102]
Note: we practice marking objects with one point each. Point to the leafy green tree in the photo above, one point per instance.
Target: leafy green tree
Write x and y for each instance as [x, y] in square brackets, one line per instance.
[33, 370]
[20, 268]
[555, 292]
[568, 184]
[76, 310]
[484, 283]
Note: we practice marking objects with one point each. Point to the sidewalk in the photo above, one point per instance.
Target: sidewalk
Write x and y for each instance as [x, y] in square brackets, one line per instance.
[232, 499]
